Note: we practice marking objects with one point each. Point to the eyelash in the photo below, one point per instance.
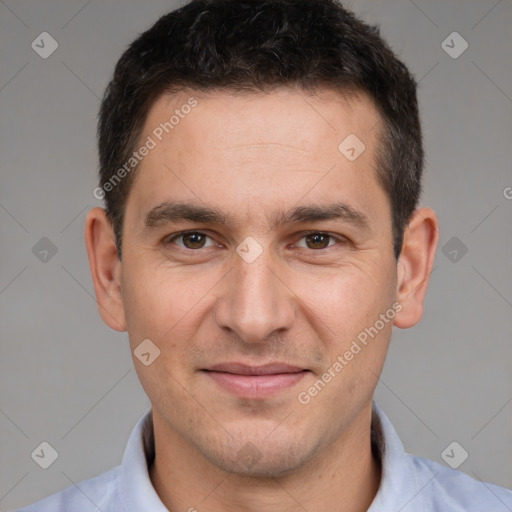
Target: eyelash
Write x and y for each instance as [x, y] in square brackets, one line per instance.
[169, 239]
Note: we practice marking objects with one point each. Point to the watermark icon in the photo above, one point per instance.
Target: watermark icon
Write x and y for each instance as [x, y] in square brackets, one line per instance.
[507, 193]
[44, 45]
[151, 142]
[454, 249]
[249, 250]
[454, 45]
[44, 455]
[304, 397]
[454, 455]
[249, 455]
[146, 352]
[352, 147]
[44, 249]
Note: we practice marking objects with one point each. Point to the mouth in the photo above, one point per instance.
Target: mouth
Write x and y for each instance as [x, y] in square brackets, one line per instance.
[255, 382]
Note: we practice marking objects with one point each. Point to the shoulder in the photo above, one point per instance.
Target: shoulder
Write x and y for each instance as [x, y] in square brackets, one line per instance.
[98, 493]
[453, 490]
[411, 483]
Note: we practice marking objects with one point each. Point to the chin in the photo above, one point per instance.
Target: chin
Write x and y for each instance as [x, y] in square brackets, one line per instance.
[259, 457]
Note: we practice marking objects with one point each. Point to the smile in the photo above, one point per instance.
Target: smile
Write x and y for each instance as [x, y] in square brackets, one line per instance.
[255, 381]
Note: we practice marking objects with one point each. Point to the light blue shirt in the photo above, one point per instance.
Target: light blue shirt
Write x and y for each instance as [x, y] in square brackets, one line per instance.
[409, 483]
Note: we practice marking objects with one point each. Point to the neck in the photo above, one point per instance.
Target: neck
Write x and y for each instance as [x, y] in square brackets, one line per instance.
[344, 477]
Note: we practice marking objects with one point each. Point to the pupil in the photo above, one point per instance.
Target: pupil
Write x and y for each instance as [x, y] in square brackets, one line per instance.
[195, 239]
[318, 240]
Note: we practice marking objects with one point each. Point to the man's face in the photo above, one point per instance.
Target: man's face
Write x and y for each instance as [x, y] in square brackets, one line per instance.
[298, 292]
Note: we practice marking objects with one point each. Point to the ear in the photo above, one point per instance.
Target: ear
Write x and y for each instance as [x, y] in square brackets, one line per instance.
[105, 268]
[414, 266]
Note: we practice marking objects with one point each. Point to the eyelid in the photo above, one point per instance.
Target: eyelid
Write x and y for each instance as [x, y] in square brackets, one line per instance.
[340, 238]
[303, 234]
[169, 238]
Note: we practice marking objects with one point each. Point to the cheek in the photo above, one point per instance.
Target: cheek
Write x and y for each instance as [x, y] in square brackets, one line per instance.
[143, 299]
[156, 304]
[160, 302]
[347, 299]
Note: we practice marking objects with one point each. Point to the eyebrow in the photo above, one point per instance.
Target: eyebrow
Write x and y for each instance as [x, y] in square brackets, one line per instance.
[169, 212]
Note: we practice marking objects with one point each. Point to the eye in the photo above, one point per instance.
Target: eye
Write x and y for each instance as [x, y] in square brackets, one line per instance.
[319, 240]
[191, 240]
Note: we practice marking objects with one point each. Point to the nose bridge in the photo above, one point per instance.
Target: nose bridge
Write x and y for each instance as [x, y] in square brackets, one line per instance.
[254, 302]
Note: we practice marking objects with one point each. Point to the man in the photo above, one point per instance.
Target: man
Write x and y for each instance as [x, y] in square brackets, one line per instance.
[261, 166]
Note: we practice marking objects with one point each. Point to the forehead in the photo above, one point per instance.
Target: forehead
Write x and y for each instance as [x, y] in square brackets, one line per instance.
[285, 115]
[225, 148]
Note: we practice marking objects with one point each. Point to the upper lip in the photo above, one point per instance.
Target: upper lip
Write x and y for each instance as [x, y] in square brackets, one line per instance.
[265, 369]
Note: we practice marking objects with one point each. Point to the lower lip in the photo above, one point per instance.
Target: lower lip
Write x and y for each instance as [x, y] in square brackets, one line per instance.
[256, 386]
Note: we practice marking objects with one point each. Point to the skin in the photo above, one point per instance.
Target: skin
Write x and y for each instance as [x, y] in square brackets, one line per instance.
[302, 301]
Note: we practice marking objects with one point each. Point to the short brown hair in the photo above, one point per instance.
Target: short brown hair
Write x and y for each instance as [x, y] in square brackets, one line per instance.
[258, 45]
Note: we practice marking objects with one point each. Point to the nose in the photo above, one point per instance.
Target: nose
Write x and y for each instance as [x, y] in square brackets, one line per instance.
[255, 302]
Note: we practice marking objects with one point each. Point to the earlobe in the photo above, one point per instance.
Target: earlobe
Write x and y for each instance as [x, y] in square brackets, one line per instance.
[105, 268]
[414, 266]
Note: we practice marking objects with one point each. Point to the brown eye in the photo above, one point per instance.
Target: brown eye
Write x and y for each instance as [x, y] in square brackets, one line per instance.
[317, 240]
[193, 240]
[190, 240]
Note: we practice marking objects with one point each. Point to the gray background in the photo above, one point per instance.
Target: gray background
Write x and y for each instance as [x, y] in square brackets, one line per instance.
[67, 379]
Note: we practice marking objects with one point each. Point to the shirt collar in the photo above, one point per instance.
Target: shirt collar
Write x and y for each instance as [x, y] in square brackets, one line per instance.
[137, 491]
[399, 481]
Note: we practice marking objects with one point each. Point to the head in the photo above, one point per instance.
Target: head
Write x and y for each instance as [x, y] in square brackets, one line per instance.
[241, 226]
[251, 46]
